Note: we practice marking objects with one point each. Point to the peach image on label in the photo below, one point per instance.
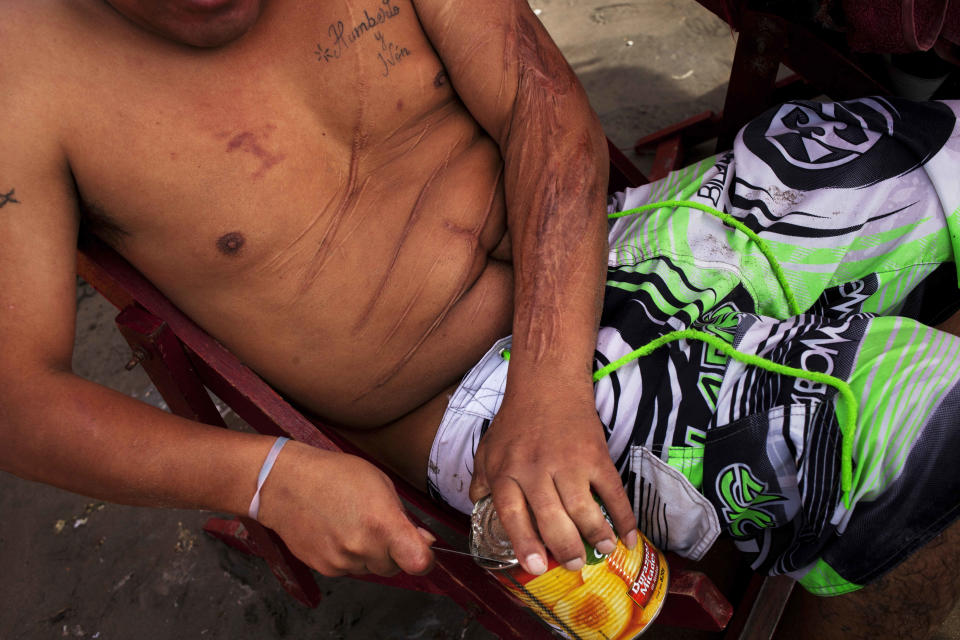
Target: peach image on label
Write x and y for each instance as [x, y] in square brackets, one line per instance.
[613, 599]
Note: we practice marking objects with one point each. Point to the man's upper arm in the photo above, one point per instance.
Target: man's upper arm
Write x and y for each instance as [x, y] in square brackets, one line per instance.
[38, 231]
[495, 51]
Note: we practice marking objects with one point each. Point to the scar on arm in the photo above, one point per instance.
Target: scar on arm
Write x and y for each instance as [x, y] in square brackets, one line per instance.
[440, 79]
[230, 244]
[7, 198]
[544, 80]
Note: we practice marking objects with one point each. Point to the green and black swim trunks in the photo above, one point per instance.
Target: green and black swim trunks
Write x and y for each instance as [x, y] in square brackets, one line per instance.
[765, 366]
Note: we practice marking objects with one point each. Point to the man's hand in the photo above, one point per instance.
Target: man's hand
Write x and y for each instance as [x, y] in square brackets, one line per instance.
[550, 455]
[340, 514]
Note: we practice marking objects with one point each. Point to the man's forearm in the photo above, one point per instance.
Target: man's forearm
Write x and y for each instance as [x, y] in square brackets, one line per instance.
[544, 450]
[556, 169]
[337, 513]
[66, 431]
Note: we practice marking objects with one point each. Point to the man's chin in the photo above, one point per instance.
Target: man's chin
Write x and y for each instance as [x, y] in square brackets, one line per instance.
[208, 37]
[197, 23]
[215, 23]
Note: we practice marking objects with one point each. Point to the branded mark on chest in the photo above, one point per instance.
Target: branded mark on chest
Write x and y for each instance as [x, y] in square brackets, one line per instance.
[254, 143]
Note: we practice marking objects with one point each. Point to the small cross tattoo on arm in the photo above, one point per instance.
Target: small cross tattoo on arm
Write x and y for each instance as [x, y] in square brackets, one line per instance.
[6, 198]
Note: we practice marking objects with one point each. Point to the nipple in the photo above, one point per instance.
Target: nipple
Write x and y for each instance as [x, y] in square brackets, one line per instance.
[229, 244]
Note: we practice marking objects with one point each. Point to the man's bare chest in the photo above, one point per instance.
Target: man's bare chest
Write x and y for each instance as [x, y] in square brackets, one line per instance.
[286, 127]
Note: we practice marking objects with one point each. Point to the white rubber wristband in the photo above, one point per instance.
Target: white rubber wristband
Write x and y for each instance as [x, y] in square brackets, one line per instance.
[254, 510]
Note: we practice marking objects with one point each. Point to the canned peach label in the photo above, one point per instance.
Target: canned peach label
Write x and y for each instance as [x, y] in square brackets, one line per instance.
[614, 598]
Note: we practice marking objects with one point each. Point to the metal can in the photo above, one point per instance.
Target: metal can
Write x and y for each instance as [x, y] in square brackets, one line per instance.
[614, 596]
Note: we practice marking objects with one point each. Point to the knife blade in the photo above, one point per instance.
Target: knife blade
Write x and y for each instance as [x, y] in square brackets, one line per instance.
[483, 561]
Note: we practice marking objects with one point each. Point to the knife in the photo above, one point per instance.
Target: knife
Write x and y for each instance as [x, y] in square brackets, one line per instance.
[483, 561]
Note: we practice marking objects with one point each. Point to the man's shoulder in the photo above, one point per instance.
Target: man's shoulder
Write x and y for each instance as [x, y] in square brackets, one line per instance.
[35, 61]
[42, 45]
[24, 20]
[34, 36]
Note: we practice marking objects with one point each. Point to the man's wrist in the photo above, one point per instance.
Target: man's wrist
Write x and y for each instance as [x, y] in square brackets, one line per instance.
[227, 479]
[567, 369]
[268, 462]
[547, 384]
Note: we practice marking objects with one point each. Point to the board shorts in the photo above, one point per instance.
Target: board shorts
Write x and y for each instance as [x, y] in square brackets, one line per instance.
[801, 403]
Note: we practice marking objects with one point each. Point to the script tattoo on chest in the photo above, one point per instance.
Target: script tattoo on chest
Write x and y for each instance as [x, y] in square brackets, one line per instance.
[7, 198]
[341, 36]
[390, 54]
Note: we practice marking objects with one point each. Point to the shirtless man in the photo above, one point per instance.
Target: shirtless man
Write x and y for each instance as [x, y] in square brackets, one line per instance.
[350, 195]
[302, 179]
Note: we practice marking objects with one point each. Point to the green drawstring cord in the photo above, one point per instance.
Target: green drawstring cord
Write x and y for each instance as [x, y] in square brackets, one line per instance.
[847, 429]
[849, 425]
[736, 224]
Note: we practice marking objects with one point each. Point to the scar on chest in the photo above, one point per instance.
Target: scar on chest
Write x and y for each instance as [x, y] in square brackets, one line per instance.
[229, 244]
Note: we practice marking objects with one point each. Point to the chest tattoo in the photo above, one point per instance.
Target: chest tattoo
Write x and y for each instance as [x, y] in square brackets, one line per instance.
[341, 36]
